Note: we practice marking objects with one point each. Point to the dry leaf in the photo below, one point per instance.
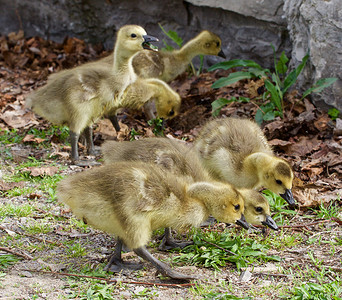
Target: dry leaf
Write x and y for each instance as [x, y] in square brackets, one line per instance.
[41, 171]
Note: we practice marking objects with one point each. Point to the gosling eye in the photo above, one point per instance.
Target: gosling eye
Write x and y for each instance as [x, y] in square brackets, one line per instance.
[133, 35]
[258, 209]
[171, 113]
[217, 44]
[279, 182]
[237, 207]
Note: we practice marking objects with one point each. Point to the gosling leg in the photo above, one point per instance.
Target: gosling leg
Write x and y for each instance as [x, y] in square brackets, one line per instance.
[116, 264]
[160, 266]
[168, 242]
[114, 120]
[88, 133]
[74, 145]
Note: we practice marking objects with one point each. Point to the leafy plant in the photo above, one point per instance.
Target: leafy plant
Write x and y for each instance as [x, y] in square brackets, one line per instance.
[7, 260]
[276, 83]
[223, 296]
[158, 126]
[314, 291]
[218, 104]
[213, 249]
[277, 205]
[134, 133]
[328, 211]
[333, 113]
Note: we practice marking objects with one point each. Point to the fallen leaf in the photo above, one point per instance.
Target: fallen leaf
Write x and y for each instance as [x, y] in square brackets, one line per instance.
[6, 186]
[32, 138]
[41, 171]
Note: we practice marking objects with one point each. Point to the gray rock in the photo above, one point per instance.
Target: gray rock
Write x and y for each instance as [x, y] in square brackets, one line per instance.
[315, 26]
[247, 28]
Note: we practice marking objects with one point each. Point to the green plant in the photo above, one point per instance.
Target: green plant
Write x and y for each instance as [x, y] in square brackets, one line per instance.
[218, 104]
[277, 205]
[158, 126]
[276, 83]
[133, 134]
[76, 250]
[96, 291]
[333, 113]
[314, 291]
[146, 293]
[332, 209]
[223, 296]
[7, 260]
[213, 249]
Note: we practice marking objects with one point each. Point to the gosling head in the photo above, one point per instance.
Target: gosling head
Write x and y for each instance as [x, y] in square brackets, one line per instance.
[278, 178]
[210, 44]
[133, 38]
[167, 101]
[223, 201]
[257, 209]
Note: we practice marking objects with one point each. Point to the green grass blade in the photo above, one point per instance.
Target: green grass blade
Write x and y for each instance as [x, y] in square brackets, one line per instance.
[232, 78]
[319, 86]
[275, 97]
[293, 75]
[218, 104]
[225, 65]
[281, 66]
[172, 35]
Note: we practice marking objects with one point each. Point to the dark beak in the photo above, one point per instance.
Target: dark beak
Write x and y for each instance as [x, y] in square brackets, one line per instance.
[270, 223]
[150, 39]
[221, 54]
[288, 196]
[242, 222]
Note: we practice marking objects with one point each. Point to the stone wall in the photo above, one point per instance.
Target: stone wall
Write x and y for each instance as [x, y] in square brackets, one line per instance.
[247, 27]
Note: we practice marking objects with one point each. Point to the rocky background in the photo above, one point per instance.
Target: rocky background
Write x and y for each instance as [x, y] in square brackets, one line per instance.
[247, 28]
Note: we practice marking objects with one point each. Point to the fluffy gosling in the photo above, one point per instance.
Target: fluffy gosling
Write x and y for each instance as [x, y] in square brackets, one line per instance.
[79, 96]
[236, 151]
[180, 159]
[132, 199]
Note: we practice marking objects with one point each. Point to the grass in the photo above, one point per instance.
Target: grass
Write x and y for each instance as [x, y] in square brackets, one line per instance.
[308, 277]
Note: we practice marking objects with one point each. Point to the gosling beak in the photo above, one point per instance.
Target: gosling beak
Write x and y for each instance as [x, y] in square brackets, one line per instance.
[288, 196]
[242, 222]
[270, 223]
[150, 38]
[221, 54]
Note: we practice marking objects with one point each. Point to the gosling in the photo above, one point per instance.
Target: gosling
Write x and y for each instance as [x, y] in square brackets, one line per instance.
[167, 65]
[132, 199]
[236, 151]
[79, 96]
[176, 157]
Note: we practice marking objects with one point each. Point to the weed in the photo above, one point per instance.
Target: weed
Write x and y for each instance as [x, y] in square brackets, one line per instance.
[7, 260]
[11, 210]
[38, 227]
[313, 291]
[158, 126]
[276, 83]
[213, 249]
[276, 204]
[133, 134]
[328, 211]
[76, 250]
[96, 291]
[146, 293]
[222, 296]
[333, 113]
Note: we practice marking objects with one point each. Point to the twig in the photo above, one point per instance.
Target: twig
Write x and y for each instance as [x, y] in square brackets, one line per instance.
[34, 237]
[114, 280]
[272, 274]
[26, 256]
[304, 225]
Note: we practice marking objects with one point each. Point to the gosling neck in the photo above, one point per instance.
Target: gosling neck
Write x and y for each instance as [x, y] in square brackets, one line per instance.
[121, 58]
[188, 51]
